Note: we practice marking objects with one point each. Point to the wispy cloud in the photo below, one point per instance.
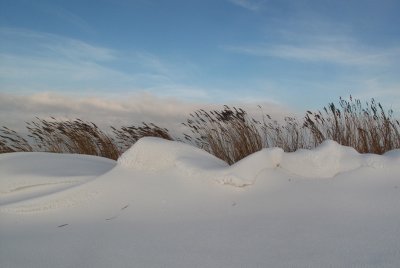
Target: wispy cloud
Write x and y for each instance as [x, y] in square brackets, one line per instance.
[21, 41]
[339, 50]
[26, 42]
[35, 73]
[78, 50]
[34, 61]
[248, 4]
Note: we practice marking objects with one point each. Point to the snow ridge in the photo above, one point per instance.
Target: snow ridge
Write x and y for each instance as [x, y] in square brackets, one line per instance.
[43, 190]
[325, 161]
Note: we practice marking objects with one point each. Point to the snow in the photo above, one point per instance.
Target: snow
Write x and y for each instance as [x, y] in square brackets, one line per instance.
[156, 154]
[29, 175]
[168, 204]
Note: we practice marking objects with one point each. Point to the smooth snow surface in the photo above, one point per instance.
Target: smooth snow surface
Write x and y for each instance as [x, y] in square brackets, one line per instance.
[30, 175]
[167, 204]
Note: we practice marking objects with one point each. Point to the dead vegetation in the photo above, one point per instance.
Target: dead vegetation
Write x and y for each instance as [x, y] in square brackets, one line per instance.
[126, 136]
[368, 129]
[230, 134]
[71, 136]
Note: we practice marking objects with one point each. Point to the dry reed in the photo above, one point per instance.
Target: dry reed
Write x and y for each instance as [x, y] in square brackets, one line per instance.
[11, 141]
[230, 134]
[126, 136]
[71, 136]
[368, 129]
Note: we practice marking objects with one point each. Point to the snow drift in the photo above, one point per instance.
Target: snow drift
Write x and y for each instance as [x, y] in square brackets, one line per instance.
[325, 161]
[165, 204]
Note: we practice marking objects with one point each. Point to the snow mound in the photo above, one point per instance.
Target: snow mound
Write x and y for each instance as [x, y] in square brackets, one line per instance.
[331, 158]
[154, 154]
[245, 171]
[325, 161]
[82, 211]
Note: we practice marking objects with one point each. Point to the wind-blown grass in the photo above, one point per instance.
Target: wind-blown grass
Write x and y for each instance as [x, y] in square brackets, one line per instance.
[290, 135]
[71, 136]
[368, 129]
[230, 134]
[11, 141]
[126, 136]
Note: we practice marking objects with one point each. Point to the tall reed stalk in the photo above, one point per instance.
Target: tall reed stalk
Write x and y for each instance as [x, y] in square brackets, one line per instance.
[230, 134]
[368, 129]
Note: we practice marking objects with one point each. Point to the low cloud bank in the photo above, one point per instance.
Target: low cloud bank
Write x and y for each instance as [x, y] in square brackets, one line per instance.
[15, 109]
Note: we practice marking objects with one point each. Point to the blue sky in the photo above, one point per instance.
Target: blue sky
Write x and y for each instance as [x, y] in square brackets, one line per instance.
[302, 54]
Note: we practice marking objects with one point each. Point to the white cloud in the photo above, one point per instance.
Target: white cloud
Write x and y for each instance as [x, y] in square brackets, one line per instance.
[134, 109]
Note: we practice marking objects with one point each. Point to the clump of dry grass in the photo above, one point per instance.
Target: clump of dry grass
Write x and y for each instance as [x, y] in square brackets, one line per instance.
[76, 136]
[289, 136]
[126, 136]
[229, 134]
[71, 136]
[11, 141]
[368, 129]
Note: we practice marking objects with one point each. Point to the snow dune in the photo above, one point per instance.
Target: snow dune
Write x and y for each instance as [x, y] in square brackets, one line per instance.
[326, 161]
[168, 204]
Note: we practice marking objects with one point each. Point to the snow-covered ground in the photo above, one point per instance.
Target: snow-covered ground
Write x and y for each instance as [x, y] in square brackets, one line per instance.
[167, 204]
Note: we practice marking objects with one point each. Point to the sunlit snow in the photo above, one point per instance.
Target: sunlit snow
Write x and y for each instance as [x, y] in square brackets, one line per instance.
[168, 204]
